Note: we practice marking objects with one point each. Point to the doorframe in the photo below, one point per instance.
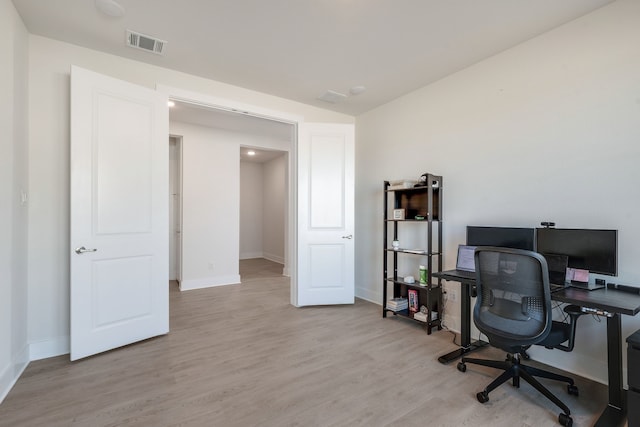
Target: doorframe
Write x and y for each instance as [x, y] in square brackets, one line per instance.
[178, 246]
[228, 105]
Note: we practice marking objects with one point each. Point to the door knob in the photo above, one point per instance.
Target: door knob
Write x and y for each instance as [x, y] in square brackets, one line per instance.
[82, 250]
[350, 236]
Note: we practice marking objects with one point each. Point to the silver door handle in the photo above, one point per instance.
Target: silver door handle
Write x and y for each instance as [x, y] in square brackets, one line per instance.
[82, 250]
[350, 236]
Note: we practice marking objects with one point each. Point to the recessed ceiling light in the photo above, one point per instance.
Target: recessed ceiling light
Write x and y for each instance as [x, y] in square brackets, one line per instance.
[110, 8]
[171, 103]
[357, 90]
[251, 153]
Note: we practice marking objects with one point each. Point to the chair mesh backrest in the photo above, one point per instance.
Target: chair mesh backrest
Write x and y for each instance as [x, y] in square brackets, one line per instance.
[513, 308]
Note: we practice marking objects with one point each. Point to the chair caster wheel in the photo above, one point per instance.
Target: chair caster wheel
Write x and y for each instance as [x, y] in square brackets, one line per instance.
[565, 420]
[573, 390]
[483, 397]
[462, 367]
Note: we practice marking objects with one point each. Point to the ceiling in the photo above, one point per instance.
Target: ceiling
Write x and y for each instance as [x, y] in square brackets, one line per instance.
[231, 121]
[260, 154]
[236, 122]
[299, 49]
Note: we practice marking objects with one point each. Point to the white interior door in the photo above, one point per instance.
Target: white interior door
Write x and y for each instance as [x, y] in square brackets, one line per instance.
[325, 214]
[119, 213]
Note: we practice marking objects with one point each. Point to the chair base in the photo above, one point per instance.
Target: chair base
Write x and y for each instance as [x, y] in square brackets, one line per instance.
[514, 370]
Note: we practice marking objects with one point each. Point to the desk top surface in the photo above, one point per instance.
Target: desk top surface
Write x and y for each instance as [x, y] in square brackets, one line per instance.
[453, 275]
[610, 300]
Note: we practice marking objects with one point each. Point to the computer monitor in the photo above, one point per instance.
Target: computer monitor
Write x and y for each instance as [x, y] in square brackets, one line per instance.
[507, 237]
[593, 250]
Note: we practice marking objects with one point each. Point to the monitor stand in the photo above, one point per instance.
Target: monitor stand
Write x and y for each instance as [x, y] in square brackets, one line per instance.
[586, 285]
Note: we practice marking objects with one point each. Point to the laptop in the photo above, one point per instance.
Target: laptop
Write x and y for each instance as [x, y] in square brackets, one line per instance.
[465, 263]
[557, 265]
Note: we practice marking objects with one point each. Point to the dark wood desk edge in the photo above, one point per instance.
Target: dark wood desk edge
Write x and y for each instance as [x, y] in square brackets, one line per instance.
[448, 275]
[610, 300]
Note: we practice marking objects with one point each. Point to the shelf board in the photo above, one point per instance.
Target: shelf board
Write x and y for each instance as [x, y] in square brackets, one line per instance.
[403, 313]
[423, 188]
[409, 315]
[410, 220]
[412, 285]
[413, 251]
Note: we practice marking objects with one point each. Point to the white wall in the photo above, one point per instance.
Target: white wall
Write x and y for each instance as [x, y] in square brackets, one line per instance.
[13, 179]
[274, 208]
[263, 203]
[548, 130]
[210, 206]
[251, 207]
[218, 194]
[49, 64]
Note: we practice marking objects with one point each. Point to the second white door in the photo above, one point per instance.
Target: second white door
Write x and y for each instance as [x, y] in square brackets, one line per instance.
[326, 214]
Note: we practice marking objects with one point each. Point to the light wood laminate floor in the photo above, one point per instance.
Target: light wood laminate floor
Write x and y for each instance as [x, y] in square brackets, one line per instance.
[241, 355]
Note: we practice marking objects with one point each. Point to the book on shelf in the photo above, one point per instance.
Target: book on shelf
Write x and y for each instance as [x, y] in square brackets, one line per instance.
[413, 300]
[400, 305]
[397, 304]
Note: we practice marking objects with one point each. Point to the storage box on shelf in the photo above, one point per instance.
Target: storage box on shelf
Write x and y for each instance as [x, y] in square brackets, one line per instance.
[422, 204]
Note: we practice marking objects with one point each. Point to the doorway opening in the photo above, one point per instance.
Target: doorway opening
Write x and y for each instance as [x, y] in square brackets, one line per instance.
[217, 218]
[263, 207]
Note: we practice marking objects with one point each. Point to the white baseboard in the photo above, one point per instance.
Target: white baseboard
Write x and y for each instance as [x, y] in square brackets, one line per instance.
[49, 348]
[209, 282]
[251, 255]
[451, 323]
[274, 258]
[10, 374]
[369, 295]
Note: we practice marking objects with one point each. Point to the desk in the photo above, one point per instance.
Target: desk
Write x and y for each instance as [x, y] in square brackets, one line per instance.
[609, 302]
[613, 303]
[466, 346]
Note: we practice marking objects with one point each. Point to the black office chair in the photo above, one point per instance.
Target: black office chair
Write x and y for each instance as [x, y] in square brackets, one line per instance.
[513, 309]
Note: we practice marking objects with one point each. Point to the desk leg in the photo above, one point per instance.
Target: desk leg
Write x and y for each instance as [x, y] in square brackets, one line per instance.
[466, 346]
[465, 316]
[615, 414]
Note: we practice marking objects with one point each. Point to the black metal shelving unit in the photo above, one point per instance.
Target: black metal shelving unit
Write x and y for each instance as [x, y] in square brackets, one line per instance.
[425, 203]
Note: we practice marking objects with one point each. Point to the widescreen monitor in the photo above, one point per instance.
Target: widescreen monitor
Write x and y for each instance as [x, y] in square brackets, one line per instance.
[593, 250]
[506, 237]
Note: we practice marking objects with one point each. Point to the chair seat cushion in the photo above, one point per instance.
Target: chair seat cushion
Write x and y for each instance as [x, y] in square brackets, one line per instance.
[560, 332]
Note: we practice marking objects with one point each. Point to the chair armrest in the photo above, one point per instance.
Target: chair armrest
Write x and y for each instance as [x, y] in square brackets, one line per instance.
[574, 312]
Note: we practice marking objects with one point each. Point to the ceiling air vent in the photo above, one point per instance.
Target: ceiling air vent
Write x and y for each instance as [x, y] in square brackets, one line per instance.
[332, 97]
[144, 42]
